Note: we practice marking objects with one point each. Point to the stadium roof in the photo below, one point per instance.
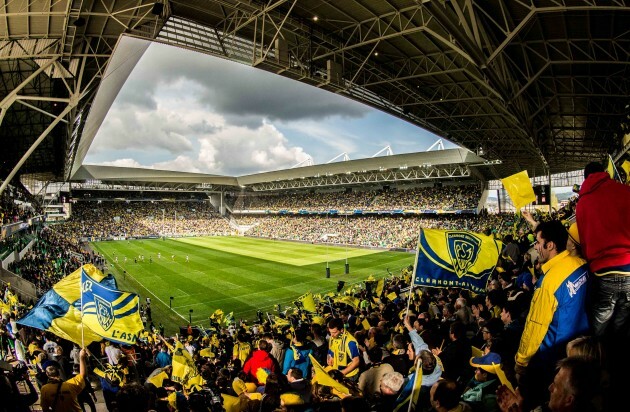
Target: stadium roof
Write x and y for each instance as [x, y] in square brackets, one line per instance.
[431, 166]
[540, 85]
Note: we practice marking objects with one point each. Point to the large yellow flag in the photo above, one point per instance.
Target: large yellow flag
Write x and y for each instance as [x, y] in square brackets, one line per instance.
[183, 365]
[323, 378]
[520, 189]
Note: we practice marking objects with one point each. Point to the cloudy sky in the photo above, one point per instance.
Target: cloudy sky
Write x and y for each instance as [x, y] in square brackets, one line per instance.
[186, 111]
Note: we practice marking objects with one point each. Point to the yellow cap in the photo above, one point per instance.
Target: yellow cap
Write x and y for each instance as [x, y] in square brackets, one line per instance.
[239, 386]
[574, 234]
[290, 399]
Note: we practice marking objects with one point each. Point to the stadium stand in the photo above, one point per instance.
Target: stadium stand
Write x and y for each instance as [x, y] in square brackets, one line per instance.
[447, 198]
[132, 219]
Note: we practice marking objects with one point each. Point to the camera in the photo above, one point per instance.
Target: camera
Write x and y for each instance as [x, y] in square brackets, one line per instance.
[20, 371]
[206, 399]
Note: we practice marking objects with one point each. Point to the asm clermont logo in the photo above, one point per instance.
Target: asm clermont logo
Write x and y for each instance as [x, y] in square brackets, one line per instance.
[104, 312]
[463, 249]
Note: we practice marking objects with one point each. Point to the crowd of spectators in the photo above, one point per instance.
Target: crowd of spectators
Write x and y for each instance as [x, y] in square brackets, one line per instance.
[106, 219]
[471, 350]
[51, 257]
[371, 231]
[530, 341]
[446, 198]
[17, 205]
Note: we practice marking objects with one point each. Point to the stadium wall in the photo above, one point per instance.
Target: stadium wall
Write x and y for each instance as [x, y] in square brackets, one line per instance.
[25, 289]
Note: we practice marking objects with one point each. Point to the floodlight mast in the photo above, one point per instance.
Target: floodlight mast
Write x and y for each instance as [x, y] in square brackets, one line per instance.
[345, 157]
[306, 162]
[439, 143]
[387, 149]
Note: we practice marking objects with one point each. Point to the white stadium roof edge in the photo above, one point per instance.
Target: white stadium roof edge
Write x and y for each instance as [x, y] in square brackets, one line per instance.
[450, 163]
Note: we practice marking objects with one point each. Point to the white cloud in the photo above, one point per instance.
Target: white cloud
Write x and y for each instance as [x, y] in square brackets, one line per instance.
[336, 140]
[179, 164]
[127, 162]
[241, 150]
[126, 129]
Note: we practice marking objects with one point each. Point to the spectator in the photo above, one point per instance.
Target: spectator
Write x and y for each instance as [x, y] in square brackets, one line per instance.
[60, 396]
[604, 234]
[343, 352]
[558, 312]
[445, 397]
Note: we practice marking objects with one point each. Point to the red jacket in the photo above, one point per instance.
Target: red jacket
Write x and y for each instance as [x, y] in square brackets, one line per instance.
[259, 359]
[603, 218]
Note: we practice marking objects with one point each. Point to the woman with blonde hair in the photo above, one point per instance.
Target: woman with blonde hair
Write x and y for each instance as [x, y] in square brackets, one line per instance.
[587, 347]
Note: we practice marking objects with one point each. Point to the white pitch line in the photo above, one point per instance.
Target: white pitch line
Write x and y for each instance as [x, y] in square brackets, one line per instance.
[212, 302]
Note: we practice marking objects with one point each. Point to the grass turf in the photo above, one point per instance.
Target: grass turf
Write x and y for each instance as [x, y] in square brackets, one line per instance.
[235, 274]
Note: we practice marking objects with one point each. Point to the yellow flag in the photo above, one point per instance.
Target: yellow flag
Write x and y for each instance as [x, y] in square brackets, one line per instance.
[323, 378]
[308, 303]
[183, 365]
[610, 168]
[279, 322]
[158, 379]
[501, 375]
[520, 189]
[366, 324]
[206, 353]
[392, 296]
[626, 167]
[379, 287]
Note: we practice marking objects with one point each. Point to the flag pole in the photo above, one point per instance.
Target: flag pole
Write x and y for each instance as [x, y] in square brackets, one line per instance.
[413, 274]
[615, 171]
[415, 380]
[82, 326]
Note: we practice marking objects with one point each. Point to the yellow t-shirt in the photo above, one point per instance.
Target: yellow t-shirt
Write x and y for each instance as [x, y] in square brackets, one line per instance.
[67, 399]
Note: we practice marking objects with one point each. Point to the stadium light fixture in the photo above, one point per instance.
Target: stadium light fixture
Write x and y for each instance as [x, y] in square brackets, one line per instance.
[315, 18]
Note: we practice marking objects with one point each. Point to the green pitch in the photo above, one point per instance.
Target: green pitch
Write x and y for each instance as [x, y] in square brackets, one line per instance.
[235, 274]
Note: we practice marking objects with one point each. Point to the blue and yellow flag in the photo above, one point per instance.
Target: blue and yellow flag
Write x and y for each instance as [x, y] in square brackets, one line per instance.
[455, 258]
[110, 313]
[59, 310]
[410, 392]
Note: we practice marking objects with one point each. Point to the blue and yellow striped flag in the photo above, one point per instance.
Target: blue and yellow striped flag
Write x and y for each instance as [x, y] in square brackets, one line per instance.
[455, 258]
[110, 313]
[59, 310]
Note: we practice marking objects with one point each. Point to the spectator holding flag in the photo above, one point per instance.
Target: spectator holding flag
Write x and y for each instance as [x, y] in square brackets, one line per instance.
[60, 396]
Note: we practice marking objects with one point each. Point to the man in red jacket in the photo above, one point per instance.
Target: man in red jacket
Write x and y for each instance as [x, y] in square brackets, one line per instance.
[603, 219]
[260, 359]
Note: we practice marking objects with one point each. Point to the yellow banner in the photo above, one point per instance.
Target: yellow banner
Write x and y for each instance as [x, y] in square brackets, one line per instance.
[520, 189]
